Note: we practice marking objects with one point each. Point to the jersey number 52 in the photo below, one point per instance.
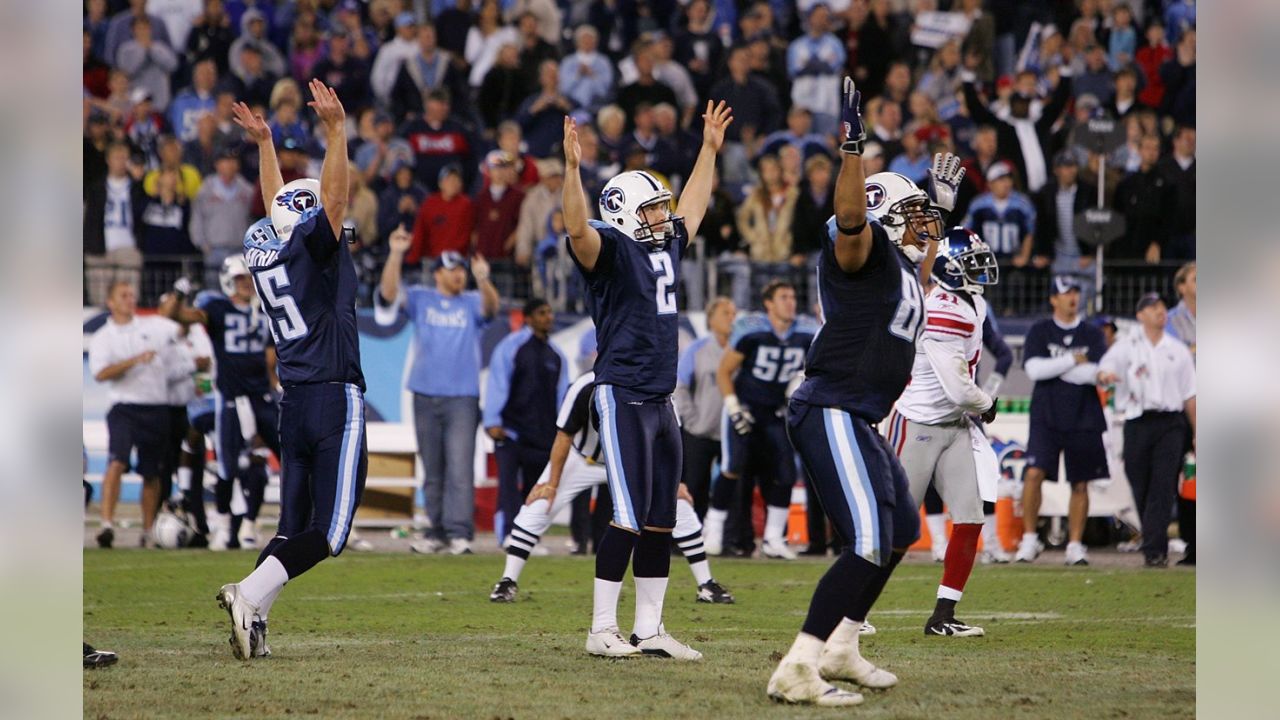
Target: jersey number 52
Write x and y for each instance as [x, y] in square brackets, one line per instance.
[273, 283]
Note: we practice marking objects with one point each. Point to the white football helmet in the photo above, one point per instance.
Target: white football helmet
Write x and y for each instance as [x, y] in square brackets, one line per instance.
[622, 198]
[170, 531]
[233, 266]
[899, 205]
[965, 262]
[291, 202]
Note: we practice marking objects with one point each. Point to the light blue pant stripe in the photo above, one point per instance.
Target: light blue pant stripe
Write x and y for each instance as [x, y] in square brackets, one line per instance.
[344, 495]
[624, 514]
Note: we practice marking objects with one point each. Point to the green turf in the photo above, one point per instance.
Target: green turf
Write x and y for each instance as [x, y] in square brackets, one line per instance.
[395, 635]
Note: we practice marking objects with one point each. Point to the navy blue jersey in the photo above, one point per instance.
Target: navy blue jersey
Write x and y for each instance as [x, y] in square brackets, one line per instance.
[1002, 224]
[308, 288]
[632, 299]
[1058, 404]
[769, 361]
[860, 361]
[239, 336]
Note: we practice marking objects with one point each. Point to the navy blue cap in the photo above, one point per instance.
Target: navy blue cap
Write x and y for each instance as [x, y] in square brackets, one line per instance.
[1063, 284]
[449, 259]
[1147, 301]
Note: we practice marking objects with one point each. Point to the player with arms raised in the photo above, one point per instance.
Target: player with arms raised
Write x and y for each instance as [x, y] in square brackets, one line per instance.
[856, 368]
[307, 281]
[931, 428]
[631, 263]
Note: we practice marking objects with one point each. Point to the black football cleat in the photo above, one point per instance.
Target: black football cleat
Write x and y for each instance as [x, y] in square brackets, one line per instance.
[105, 538]
[94, 659]
[505, 591]
[952, 627]
[713, 592]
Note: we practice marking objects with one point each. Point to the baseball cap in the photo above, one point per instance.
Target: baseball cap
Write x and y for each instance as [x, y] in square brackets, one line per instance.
[449, 259]
[1147, 301]
[497, 158]
[381, 116]
[447, 170]
[872, 150]
[405, 19]
[291, 144]
[1064, 159]
[998, 170]
[139, 94]
[549, 167]
[1063, 284]
[226, 153]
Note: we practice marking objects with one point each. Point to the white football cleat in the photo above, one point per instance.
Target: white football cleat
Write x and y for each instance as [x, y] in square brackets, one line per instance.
[243, 615]
[846, 663]
[1076, 554]
[663, 645]
[996, 555]
[427, 546]
[610, 643]
[777, 549]
[867, 628]
[1028, 549]
[800, 683]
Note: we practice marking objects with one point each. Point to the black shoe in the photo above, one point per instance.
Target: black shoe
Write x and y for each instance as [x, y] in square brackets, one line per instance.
[504, 591]
[713, 592]
[1189, 559]
[98, 658]
[106, 537]
[198, 541]
[951, 627]
[1159, 561]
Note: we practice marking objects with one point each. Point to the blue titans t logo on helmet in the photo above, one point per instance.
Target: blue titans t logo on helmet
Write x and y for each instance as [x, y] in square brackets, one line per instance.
[875, 195]
[298, 200]
[612, 199]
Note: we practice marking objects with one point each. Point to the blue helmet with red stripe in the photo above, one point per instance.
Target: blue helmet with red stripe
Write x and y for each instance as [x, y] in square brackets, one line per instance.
[965, 262]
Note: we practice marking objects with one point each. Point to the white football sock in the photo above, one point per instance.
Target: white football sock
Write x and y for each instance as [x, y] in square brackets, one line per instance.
[805, 650]
[650, 593]
[264, 608]
[701, 571]
[846, 634]
[515, 564]
[937, 528]
[605, 613]
[990, 538]
[266, 579]
[946, 593]
[775, 523]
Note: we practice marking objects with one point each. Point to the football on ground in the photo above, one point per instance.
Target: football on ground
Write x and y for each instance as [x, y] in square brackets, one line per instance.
[396, 635]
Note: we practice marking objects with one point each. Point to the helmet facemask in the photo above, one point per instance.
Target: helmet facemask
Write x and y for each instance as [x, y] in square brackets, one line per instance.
[655, 233]
[917, 222]
[967, 262]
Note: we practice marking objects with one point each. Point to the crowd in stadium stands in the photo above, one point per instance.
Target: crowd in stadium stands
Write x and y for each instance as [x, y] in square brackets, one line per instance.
[455, 109]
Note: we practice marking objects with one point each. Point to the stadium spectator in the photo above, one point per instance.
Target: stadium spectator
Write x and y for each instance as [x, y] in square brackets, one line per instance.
[698, 47]
[545, 12]
[201, 151]
[124, 353]
[534, 50]
[756, 113]
[979, 44]
[815, 203]
[305, 49]
[95, 30]
[1096, 79]
[798, 132]
[497, 212]
[887, 130]
[815, 64]
[164, 235]
[1157, 377]
[511, 141]
[646, 89]
[1056, 240]
[121, 29]
[1122, 37]
[170, 154]
[112, 207]
[976, 165]
[485, 39]
[541, 115]
[399, 202]
[699, 402]
[95, 72]
[253, 33]
[438, 140]
[222, 210]
[540, 201]
[445, 220]
[659, 153]
[143, 127]
[211, 37]
[586, 76]
[1179, 170]
[393, 55]
[880, 39]
[685, 144]
[674, 75]
[362, 210]
[1150, 58]
[293, 166]
[427, 69]
[914, 160]
[873, 158]
[1182, 318]
[341, 70]
[148, 61]
[195, 101]
[445, 382]
[505, 86]
[252, 80]
[382, 150]
[614, 141]
[1026, 126]
[941, 81]
[454, 25]
[287, 121]
[1179, 18]
[764, 218]
[595, 171]
[1005, 218]
[1146, 198]
[528, 377]
[1125, 99]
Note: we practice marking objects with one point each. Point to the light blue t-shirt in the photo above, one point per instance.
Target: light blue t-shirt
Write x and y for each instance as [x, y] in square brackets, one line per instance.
[446, 334]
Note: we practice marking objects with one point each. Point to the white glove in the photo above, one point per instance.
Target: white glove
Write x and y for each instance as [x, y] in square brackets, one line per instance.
[944, 181]
[740, 417]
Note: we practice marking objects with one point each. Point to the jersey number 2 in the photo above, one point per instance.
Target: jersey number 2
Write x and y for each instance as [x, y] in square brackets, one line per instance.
[910, 313]
[272, 283]
[666, 294]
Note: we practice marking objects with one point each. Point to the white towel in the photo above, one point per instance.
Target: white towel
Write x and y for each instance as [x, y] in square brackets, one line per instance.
[985, 464]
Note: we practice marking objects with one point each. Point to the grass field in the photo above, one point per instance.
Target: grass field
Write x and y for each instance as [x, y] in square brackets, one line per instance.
[395, 635]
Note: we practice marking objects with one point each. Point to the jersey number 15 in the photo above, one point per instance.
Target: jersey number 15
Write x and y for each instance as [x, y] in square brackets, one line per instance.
[273, 283]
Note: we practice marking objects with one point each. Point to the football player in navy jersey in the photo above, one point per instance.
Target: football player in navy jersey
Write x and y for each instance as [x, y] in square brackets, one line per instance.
[630, 261]
[306, 279]
[764, 353]
[857, 366]
[245, 415]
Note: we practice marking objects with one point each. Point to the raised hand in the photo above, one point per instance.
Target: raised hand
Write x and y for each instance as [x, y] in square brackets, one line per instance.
[400, 240]
[714, 122]
[851, 118]
[255, 126]
[479, 268]
[944, 181]
[572, 150]
[326, 105]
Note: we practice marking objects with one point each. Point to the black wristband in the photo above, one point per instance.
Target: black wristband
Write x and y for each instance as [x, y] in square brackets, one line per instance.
[855, 230]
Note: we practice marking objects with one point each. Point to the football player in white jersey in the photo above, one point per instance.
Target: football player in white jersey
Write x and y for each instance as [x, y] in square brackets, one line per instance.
[932, 427]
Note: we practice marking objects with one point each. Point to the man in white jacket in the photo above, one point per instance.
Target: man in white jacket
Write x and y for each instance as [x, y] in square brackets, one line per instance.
[402, 47]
